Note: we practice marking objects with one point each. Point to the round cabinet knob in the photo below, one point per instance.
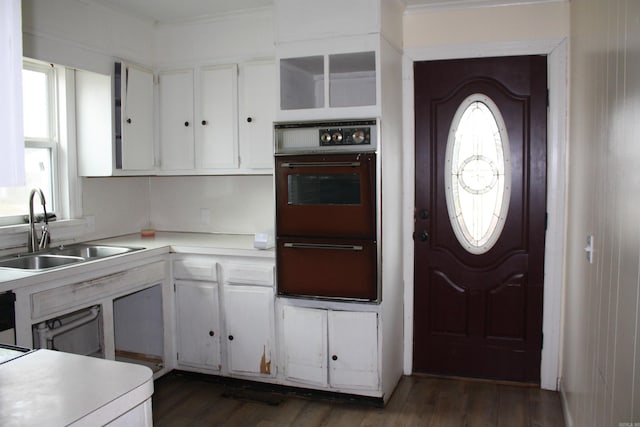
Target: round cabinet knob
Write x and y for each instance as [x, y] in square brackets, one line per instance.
[211, 333]
[337, 137]
[129, 120]
[358, 137]
[424, 236]
[249, 119]
[334, 357]
[325, 137]
[186, 124]
[204, 123]
[230, 337]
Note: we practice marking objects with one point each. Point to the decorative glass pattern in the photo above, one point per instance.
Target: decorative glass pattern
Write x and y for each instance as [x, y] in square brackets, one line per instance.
[477, 173]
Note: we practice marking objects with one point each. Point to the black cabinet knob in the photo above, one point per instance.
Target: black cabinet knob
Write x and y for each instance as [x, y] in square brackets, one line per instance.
[424, 236]
[334, 357]
[129, 120]
[249, 119]
[186, 124]
[204, 123]
[230, 337]
[423, 214]
[211, 333]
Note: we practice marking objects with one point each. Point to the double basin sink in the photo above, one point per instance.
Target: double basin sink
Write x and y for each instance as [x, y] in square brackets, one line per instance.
[62, 256]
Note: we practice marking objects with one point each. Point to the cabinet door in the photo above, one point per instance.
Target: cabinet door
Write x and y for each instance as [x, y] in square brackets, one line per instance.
[217, 139]
[198, 324]
[353, 350]
[305, 345]
[176, 120]
[137, 126]
[258, 110]
[249, 326]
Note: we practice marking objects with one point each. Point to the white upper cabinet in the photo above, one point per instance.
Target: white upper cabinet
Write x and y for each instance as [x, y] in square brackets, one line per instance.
[217, 127]
[133, 150]
[198, 121]
[257, 114]
[176, 120]
[137, 119]
[12, 159]
[331, 64]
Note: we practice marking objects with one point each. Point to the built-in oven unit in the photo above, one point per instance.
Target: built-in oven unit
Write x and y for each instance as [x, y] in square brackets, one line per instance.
[325, 182]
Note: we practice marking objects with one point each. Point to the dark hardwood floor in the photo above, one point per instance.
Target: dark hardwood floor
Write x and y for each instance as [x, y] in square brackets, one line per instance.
[187, 400]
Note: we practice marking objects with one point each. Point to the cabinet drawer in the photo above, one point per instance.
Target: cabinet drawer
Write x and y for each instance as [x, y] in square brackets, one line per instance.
[248, 274]
[195, 269]
[54, 300]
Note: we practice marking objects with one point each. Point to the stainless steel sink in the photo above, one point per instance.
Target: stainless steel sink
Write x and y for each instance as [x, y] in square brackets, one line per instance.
[91, 251]
[63, 255]
[39, 262]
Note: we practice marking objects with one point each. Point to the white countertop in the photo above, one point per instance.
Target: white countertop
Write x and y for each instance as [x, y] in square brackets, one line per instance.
[163, 242]
[51, 388]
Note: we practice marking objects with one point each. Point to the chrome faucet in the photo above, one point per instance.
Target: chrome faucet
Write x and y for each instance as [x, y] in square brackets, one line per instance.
[45, 237]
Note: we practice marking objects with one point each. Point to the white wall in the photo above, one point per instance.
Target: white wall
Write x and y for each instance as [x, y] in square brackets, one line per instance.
[119, 205]
[601, 360]
[212, 204]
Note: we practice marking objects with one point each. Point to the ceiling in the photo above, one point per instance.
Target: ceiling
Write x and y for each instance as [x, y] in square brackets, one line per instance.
[167, 11]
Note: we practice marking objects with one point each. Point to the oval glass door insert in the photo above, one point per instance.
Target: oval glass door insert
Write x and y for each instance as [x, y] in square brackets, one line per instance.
[477, 174]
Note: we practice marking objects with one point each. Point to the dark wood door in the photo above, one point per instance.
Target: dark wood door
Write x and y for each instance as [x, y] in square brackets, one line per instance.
[478, 300]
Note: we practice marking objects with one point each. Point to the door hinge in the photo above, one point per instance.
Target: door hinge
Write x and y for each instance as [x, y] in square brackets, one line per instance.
[174, 287]
[548, 97]
[177, 356]
[546, 221]
[541, 341]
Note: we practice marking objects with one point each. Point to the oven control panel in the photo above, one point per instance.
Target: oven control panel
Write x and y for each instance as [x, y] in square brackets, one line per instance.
[345, 136]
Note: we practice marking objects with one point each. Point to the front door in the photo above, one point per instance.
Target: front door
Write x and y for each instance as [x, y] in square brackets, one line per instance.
[480, 216]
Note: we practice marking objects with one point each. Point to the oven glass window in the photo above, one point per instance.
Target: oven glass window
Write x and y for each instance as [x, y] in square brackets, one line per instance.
[324, 189]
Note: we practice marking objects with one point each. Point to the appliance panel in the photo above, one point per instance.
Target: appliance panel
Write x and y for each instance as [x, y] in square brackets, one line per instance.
[328, 196]
[327, 268]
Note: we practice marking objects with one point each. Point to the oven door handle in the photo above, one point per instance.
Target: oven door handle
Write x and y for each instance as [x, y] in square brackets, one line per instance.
[325, 246]
[319, 164]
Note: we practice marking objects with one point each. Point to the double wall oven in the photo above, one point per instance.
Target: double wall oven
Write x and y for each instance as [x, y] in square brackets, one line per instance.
[326, 223]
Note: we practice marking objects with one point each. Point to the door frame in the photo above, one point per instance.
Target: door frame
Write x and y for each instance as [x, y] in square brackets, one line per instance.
[557, 166]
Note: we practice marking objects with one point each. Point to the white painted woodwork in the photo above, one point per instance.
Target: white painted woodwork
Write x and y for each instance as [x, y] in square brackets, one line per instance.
[198, 119]
[258, 103]
[137, 106]
[198, 328]
[353, 341]
[12, 159]
[255, 274]
[94, 124]
[217, 98]
[195, 268]
[310, 89]
[297, 20]
[55, 300]
[305, 345]
[249, 313]
[176, 120]
[313, 337]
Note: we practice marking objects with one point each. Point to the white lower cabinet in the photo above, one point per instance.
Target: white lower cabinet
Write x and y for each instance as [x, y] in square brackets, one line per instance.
[229, 328]
[327, 348]
[198, 324]
[249, 328]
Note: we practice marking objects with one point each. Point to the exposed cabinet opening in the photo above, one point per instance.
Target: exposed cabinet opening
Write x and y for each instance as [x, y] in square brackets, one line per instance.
[78, 332]
[138, 330]
[349, 80]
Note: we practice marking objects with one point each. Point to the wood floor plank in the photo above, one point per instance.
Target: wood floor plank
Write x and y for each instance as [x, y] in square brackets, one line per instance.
[185, 400]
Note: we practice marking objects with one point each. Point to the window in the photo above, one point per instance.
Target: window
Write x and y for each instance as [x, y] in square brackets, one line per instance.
[41, 130]
[478, 174]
